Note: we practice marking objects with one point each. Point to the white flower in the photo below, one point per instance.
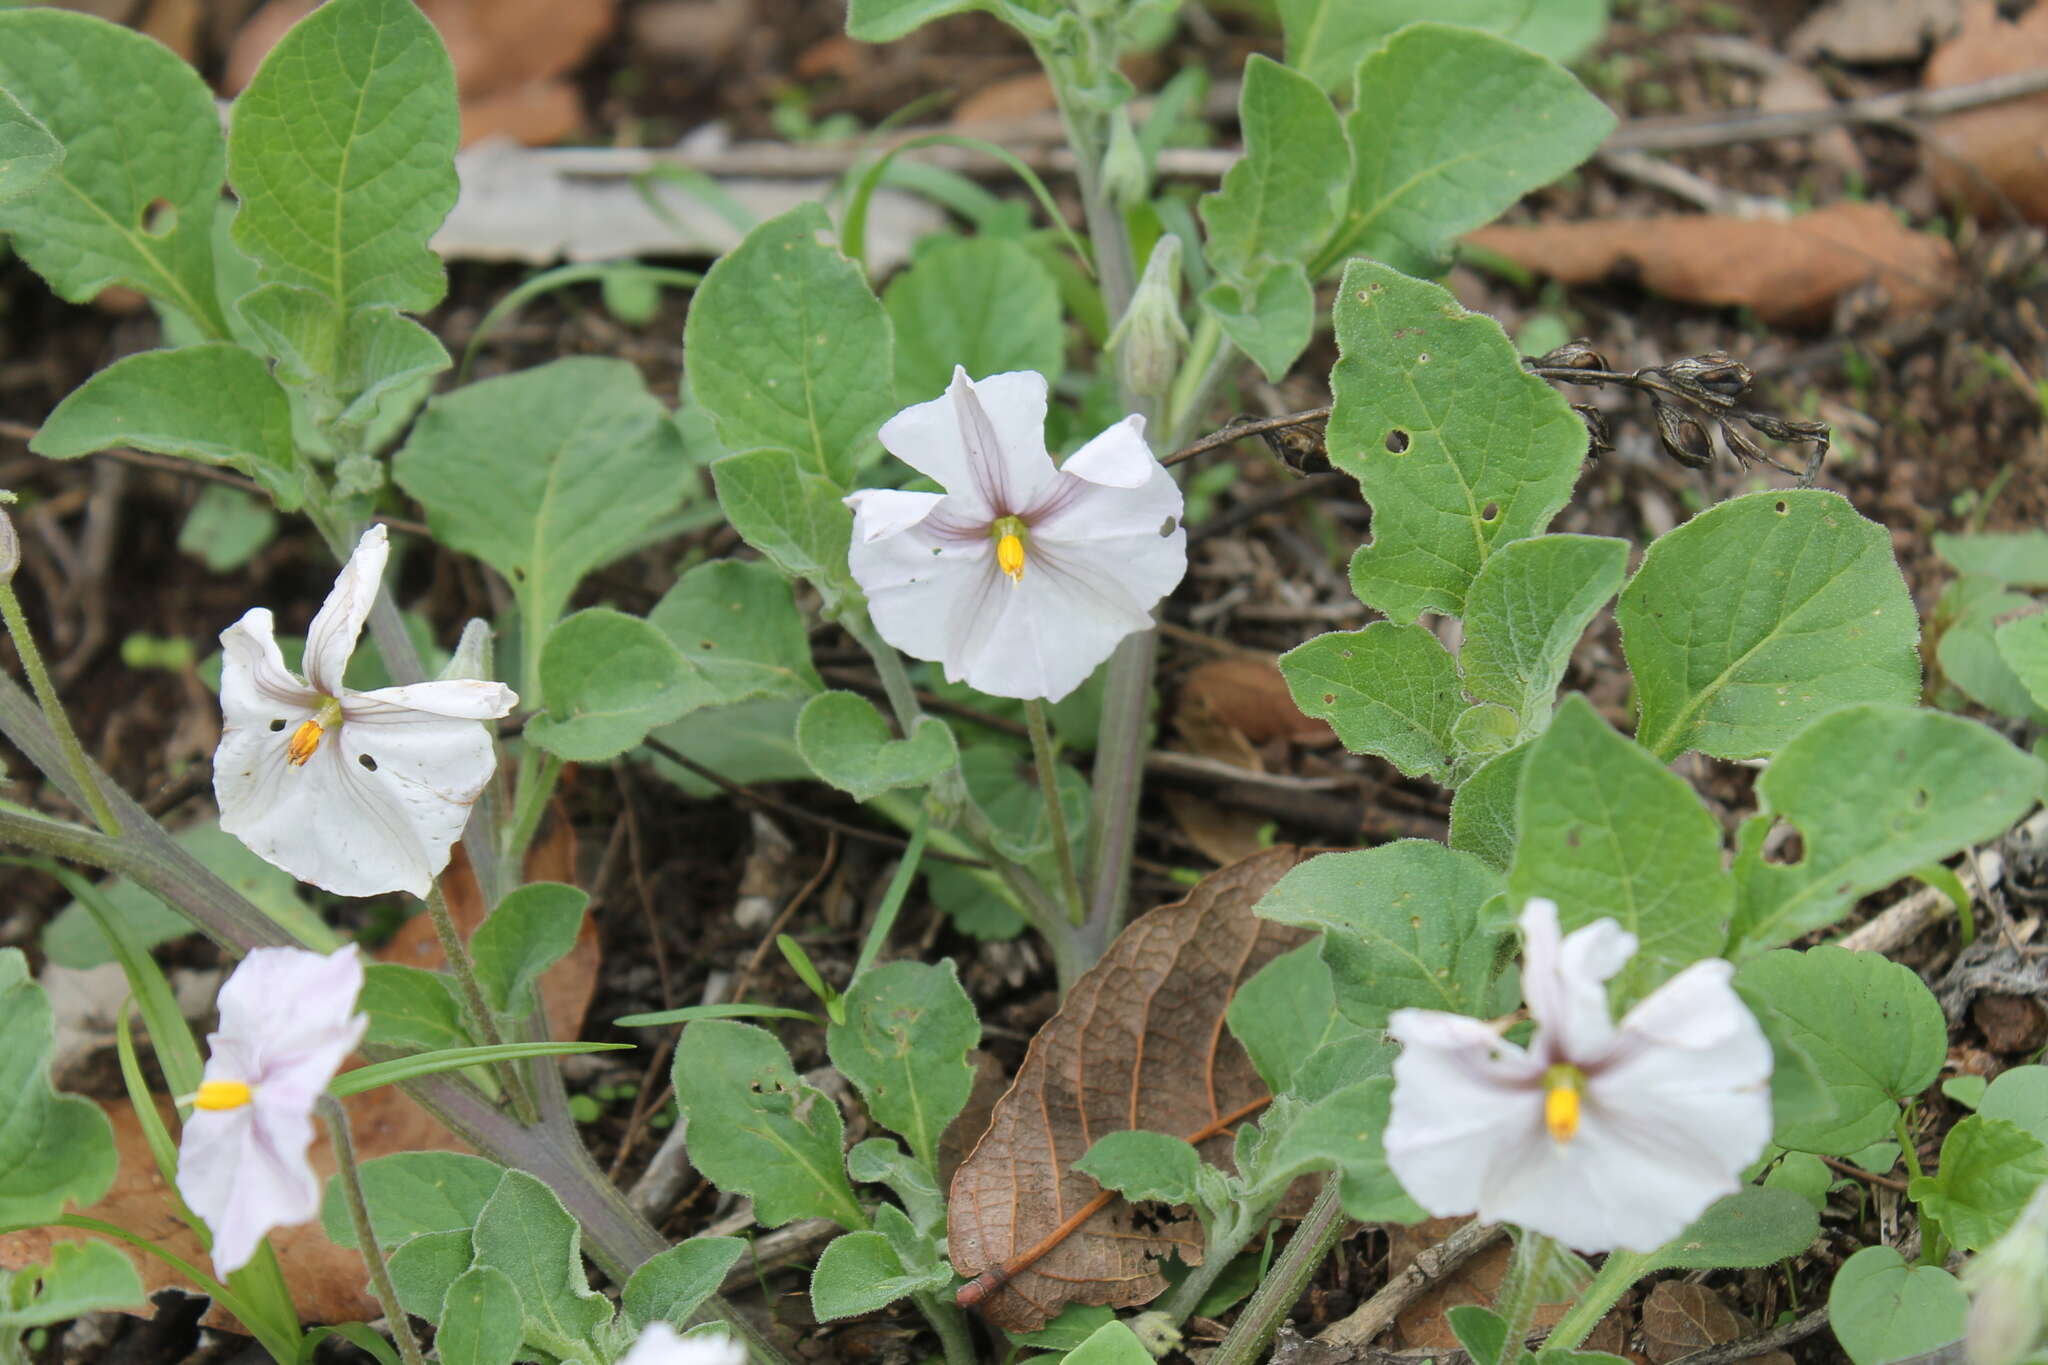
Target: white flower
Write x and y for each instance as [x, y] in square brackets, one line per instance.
[1597, 1136]
[660, 1345]
[357, 792]
[1020, 578]
[287, 1021]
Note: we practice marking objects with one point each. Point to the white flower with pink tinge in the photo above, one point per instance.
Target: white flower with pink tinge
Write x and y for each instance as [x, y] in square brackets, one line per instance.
[660, 1344]
[356, 792]
[287, 1022]
[1020, 578]
[1597, 1135]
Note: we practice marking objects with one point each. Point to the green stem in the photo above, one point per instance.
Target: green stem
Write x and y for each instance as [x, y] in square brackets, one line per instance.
[1902, 1129]
[889, 668]
[1046, 762]
[1223, 1246]
[1283, 1287]
[351, 1182]
[1620, 1270]
[539, 771]
[53, 711]
[1520, 1294]
[1207, 353]
[486, 1023]
[951, 1324]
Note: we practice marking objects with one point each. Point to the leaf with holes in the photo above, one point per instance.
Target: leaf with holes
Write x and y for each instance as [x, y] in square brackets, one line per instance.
[1457, 447]
[1607, 831]
[1449, 127]
[787, 347]
[986, 303]
[54, 1148]
[342, 151]
[133, 201]
[1388, 690]
[1760, 614]
[608, 679]
[1166, 980]
[1525, 611]
[1875, 792]
[909, 1027]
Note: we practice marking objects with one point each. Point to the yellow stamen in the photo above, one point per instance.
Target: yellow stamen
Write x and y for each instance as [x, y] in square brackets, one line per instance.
[223, 1094]
[1010, 557]
[1561, 1101]
[305, 740]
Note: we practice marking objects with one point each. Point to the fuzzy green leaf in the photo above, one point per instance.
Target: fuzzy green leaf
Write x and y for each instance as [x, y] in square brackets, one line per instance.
[526, 933]
[1389, 689]
[342, 150]
[793, 517]
[1990, 1168]
[737, 622]
[1328, 38]
[2021, 1096]
[909, 1027]
[27, 151]
[412, 1194]
[608, 679]
[2023, 644]
[412, 1008]
[1271, 318]
[987, 303]
[861, 1272]
[1755, 1226]
[524, 1231]
[80, 1278]
[1524, 613]
[1286, 1013]
[2016, 558]
[481, 1317]
[1141, 1165]
[846, 742]
[1760, 614]
[54, 1148]
[881, 21]
[669, 1287]
[1884, 1310]
[1483, 811]
[1458, 448]
[1283, 198]
[786, 346]
[423, 1268]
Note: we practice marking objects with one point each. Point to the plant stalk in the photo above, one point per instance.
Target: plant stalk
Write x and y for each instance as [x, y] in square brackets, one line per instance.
[1223, 1247]
[1043, 759]
[951, 1325]
[463, 966]
[1319, 1233]
[366, 1235]
[81, 768]
[1521, 1293]
[1620, 1270]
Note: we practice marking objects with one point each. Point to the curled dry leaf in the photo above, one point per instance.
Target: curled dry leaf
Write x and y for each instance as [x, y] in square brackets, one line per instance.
[1139, 1043]
[1789, 271]
[1993, 158]
[1248, 694]
[1680, 1317]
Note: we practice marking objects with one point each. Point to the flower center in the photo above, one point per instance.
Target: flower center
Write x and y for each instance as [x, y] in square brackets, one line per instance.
[306, 738]
[1009, 534]
[223, 1094]
[1561, 1087]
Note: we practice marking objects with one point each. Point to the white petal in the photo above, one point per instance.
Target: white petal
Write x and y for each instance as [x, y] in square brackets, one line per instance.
[1118, 457]
[1042, 636]
[256, 689]
[1464, 1100]
[925, 585]
[281, 1004]
[332, 636]
[448, 699]
[1564, 982]
[661, 1344]
[982, 442]
[1130, 536]
[879, 513]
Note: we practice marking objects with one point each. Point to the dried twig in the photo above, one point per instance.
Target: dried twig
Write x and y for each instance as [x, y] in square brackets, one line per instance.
[1377, 1313]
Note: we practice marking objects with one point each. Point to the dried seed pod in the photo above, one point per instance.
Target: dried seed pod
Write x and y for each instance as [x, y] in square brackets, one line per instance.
[1576, 354]
[1301, 447]
[1599, 438]
[1685, 440]
[1744, 449]
[1716, 372]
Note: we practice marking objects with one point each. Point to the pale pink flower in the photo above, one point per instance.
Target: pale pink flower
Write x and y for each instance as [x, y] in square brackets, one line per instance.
[661, 1344]
[1598, 1136]
[356, 792]
[287, 1022]
[1021, 577]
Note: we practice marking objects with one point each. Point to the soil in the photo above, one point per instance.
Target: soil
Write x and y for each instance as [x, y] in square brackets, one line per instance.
[1937, 428]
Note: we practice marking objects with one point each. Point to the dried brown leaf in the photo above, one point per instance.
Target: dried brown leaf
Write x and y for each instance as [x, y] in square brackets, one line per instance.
[1139, 1043]
[1680, 1317]
[1788, 271]
[1248, 694]
[1868, 31]
[1993, 158]
[1425, 1325]
[1222, 834]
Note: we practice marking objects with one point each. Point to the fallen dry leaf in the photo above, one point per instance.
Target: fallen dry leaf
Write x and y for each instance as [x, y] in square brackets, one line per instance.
[1680, 1317]
[1871, 31]
[1423, 1324]
[1012, 98]
[972, 1121]
[1139, 1043]
[1789, 271]
[1248, 694]
[1994, 158]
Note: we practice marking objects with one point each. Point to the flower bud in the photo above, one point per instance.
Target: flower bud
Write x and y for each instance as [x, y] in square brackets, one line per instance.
[1156, 1333]
[1149, 339]
[10, 546]
[1126, 178]
[472, 656]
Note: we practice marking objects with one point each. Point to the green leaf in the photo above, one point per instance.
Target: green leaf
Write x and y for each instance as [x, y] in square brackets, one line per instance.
[1760, 614]
[1525, 611]
[757, 1130]
[1457, 447]
[1805, 1175]
[1884, 1310]
[861, 1272]
[1965, 621]
[736, 621]
[2016, 558]
[1286, 1013]
[215, 403]
[342, 150]
[882, 1161]
[1271, 318]
[1006, 788]
[453, 1059]
[2020, 1096]
[1875, 793]
[528, 932]
[1075, 1324]
[54, 1148]
[80, 1278]
[1483, 811]
[545, 475]
[133, 202]
[1755, 1226]
[412, 1008]
[1402, 926]
[1283, 198]
[1990, 1168]
[669, 1287]
[881, 21]
[27, 151]
[346, 363]
[909, 1027]
[481, 1318]
[226, 527]
[846, 742]
[1111, 1344]
[1450, 127]
[1870, 1026]
[1608, 831]
[525, 1232]
[786, 346]
[608, 679]
[983, 302]
[424, 1268]
[412, 1194]
[1141, 1165]
[794, 518]
[1340, 1132]
[1328, 38]
[1389, 690]
[2023, 644]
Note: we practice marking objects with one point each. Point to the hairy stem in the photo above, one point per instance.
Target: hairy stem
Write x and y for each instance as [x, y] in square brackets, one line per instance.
[1620, 1270]
[1056, 817]
[463, 967]
[1284, 1285]
[81, 769]
[951, 1325]
[1535, 1260]
[366, 1235]
[1223, 1246]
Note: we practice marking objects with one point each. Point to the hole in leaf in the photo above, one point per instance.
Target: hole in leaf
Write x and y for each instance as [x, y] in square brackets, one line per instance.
[1783, 846]
[1490, 512]
[1783, 508]
[1397, 441]
[369, 764]
[159, 217]
[1920, 798]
